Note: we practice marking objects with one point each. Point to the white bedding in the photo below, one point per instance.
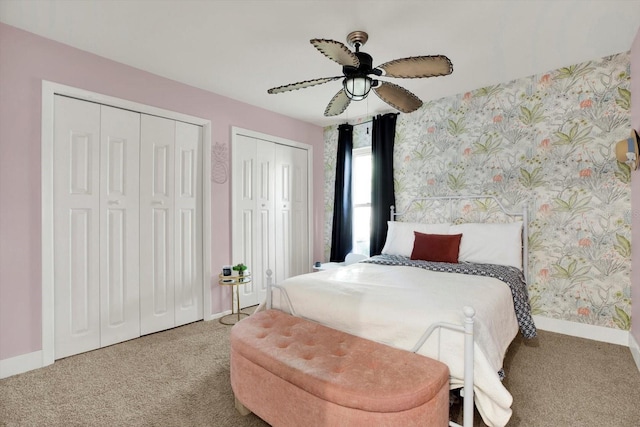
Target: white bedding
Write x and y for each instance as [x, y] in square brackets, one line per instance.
[396, 304]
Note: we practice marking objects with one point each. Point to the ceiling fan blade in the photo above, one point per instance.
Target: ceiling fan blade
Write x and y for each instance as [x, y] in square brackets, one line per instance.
[418, 66]
[336, 51]
[398, 97]
[301, 85]
[338, 104]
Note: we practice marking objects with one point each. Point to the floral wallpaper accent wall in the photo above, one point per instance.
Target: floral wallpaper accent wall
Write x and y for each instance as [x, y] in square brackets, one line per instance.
[546, 141]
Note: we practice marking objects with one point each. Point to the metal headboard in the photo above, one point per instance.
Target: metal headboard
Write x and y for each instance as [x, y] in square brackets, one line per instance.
[523, 215]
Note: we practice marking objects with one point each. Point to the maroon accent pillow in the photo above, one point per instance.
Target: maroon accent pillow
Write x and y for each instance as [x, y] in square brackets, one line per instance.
[436, 247]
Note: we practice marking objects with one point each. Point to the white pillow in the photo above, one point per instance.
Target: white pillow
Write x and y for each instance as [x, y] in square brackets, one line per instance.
[490, 243]
[400, 236]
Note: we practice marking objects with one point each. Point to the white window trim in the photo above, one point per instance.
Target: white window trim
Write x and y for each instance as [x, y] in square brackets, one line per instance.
[355, 153]
[359, 152]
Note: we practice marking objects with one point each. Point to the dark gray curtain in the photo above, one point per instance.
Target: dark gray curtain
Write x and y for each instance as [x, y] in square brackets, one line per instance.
[342, 234]
[382, 192]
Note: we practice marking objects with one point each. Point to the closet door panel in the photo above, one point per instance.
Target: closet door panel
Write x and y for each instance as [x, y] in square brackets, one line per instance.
[265, 241]
[291, 209]
[300, 260]
[283, 212]
[119, 243]
[254, 233]
[188, 220]
[76, 226]
[245, 190]
[157, 255]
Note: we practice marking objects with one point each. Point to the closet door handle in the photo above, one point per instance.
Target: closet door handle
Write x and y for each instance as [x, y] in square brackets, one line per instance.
[113, 202]
[157, 202]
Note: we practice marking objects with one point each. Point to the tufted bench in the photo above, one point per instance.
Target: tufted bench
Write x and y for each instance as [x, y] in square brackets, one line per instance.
[293, 372]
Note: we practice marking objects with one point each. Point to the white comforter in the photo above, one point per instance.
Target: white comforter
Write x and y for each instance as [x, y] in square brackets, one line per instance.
[396, 304]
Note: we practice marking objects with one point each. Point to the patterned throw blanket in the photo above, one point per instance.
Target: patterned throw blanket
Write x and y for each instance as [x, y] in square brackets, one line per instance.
[509, 275]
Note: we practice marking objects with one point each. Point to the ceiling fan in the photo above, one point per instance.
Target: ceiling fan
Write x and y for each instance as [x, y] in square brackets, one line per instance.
[356, 70]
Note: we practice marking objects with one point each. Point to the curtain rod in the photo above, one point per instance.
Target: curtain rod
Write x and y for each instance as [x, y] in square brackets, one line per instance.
[370, 120]
[357, 124]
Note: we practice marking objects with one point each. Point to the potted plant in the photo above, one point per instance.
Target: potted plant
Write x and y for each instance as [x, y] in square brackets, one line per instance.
[240, 268]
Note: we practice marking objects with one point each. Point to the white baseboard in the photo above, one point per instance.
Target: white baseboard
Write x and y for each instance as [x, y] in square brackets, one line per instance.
[635, 350]
[581, 330]
[27, 362]
[215, 316]
[30, 361]
[19, 364]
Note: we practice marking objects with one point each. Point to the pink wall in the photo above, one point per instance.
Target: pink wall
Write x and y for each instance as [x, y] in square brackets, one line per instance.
[26, 60]
[635, 194]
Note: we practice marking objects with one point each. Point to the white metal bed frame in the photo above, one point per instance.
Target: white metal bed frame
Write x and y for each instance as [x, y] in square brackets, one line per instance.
[468, 364]
[467, 329]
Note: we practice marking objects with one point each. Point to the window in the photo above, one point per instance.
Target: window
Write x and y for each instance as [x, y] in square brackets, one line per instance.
[361, 193]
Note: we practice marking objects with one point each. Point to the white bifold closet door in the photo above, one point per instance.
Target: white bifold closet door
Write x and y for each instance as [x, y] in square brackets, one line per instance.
[127, 225]
[271, 218]
[96, 226]
[170, 199]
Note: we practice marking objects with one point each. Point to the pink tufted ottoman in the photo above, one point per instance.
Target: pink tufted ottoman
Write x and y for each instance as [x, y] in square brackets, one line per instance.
[293, 372]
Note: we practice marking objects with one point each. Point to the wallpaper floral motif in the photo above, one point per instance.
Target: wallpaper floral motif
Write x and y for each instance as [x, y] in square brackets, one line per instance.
[545, 141]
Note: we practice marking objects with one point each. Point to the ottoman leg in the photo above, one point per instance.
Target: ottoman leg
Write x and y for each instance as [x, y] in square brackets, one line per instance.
[243, 410]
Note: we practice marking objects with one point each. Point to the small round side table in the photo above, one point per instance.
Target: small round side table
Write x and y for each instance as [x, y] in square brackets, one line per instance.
[234, 280]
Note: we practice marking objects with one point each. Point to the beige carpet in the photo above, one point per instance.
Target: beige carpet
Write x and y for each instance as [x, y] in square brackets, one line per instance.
[180, 377]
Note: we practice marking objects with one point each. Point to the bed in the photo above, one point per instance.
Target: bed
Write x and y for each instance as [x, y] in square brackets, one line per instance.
[393, 299]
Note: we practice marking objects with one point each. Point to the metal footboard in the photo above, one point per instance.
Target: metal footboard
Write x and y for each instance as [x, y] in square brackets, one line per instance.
[467, 330]
[467, 389]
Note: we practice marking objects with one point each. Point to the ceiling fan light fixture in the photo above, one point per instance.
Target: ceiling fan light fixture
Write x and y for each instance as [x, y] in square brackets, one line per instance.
[357, 88]
[357, 66]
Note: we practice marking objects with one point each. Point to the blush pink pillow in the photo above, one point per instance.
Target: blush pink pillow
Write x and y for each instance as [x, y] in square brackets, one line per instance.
[436, 247]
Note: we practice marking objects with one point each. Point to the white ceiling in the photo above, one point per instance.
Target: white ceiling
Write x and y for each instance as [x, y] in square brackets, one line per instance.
[241, 48]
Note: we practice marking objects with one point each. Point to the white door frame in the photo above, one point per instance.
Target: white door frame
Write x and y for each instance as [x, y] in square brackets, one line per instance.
[49, 90]
[235, 132]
